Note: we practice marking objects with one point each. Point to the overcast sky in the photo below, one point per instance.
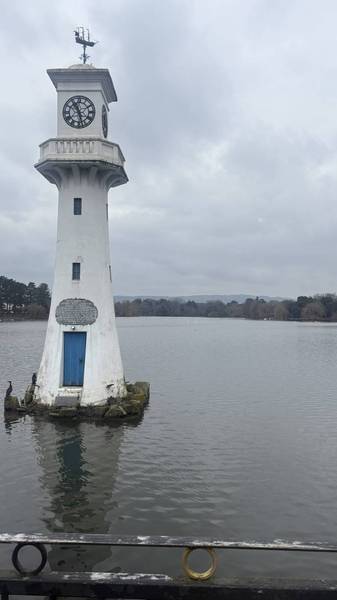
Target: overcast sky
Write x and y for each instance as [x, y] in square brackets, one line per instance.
[227, 117]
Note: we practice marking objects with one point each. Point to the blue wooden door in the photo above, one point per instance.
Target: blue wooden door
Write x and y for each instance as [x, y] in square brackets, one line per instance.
[74, 358]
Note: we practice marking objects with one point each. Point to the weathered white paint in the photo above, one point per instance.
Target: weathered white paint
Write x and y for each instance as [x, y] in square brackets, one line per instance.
[100, 576]
[83, 164]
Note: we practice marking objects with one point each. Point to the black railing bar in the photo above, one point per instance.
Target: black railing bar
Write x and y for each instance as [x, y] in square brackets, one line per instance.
[164, 541]
[152, 587]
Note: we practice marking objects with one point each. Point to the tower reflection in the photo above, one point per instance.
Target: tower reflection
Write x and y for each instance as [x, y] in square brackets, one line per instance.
[79, 467]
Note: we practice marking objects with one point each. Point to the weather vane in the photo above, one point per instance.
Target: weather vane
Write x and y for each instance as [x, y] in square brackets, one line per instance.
[82, 36]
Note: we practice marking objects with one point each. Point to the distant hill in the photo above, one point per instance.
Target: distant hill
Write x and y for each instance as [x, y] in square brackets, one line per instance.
[240, 298]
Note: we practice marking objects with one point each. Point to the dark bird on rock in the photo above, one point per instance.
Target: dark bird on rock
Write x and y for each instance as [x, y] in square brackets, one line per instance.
[9, 390]
[34, 379]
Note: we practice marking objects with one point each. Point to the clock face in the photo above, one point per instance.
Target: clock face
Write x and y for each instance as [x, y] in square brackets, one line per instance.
[79, 112]
[104, 121]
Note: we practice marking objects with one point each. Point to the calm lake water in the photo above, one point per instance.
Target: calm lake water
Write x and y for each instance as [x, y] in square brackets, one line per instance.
[239, 441]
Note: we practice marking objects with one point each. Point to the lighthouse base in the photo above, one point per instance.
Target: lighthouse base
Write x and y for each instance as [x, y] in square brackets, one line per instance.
[132, 405]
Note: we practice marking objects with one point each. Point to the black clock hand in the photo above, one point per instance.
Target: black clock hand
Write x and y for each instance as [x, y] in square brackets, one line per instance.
[78, 112]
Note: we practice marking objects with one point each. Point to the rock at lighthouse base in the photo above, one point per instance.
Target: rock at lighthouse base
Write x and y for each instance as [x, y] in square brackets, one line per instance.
[115, 412]
[11, 404]
[133, 405]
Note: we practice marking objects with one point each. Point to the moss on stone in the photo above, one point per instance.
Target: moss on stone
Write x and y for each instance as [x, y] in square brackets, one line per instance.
[132, 407]
[115, 412]
[142, 387]
[29, 395]
[99, 411]
[11, 404]
[115, 408]
[141, 398]
[64, 412]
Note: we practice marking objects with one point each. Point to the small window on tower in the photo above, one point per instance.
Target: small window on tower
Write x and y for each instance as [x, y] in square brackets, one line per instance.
[110, 272]
[76, 271]
[107, 211]
[77, 206]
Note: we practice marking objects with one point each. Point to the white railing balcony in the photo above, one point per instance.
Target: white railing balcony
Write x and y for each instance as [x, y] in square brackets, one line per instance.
[81, 149]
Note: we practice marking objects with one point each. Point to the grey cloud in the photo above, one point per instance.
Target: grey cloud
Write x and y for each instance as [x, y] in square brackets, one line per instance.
[226, 116]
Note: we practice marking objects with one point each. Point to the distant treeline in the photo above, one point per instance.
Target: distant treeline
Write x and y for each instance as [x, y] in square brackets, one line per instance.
[21, 301]
[305, 308]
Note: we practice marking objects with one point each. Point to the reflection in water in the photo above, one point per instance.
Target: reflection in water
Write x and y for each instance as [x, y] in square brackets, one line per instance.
[10, 421]
[79, 464]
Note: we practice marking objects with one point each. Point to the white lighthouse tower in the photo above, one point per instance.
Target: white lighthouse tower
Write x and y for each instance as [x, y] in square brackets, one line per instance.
[81, 362]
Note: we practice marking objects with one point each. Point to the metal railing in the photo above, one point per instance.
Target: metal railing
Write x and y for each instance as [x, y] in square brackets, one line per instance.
[191, 586]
